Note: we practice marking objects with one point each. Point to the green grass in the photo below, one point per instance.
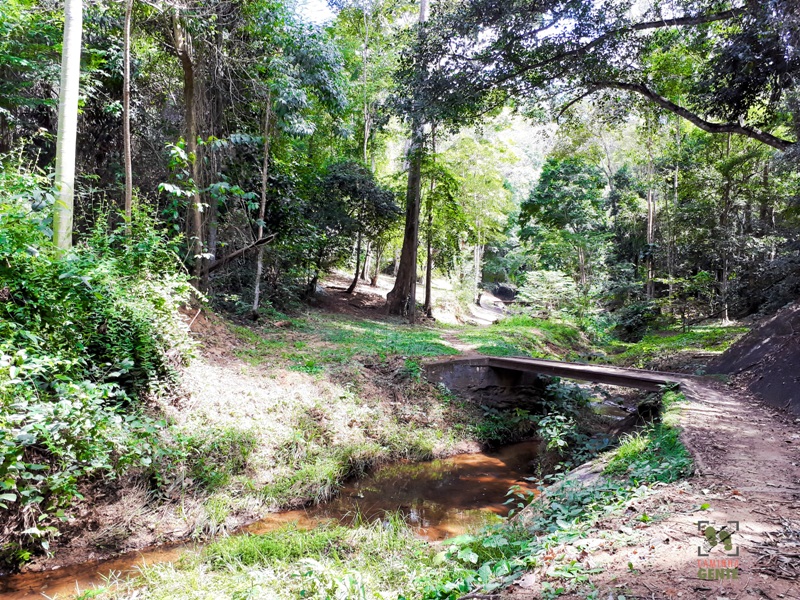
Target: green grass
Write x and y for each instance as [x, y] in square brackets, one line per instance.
[656, 452]
[381, 339]
[285, 544]
[377, 561]
[317, 342]
[715, 339]
[525, 336]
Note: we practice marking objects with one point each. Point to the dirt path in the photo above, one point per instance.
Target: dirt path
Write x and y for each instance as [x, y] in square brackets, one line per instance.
[747, 471]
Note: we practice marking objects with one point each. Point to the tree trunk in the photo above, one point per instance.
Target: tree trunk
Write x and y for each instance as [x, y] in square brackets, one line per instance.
[724, 221]
[377, 272]
[651, 220]
[183, 47]
[126, 115]
[428, 307]
[767, 211]
[365, 79]
[402, 300]
[216, 120]
[67, 123]
[670, 216]
[429, 258]
[582, 268]
[354, 283]
[262, 207]
[365, 265]
[478, 258]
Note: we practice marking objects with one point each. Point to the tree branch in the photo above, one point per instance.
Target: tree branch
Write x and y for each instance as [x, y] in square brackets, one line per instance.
[574, 101]
[647, 25]
[697, 20]
[665, 103]
[218, 264]
[676, 22]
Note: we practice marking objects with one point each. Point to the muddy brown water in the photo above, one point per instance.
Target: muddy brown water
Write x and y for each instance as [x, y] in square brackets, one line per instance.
[438, 499]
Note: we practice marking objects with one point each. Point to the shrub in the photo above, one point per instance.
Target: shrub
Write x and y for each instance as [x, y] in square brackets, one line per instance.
[549, 292]
[634, 320]
[84, 334]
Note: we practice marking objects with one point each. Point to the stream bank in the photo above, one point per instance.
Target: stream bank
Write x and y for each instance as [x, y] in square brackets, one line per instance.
[435, 499]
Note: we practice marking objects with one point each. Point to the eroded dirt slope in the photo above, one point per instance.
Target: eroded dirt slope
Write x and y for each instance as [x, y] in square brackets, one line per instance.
[767, 360]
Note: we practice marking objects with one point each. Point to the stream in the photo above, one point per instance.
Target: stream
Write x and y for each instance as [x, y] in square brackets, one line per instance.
[438, 499]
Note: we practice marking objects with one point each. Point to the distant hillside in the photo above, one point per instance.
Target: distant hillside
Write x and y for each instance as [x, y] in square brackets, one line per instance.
[767, 360]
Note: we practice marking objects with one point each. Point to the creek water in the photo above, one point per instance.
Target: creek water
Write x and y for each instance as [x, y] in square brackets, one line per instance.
[438, 499]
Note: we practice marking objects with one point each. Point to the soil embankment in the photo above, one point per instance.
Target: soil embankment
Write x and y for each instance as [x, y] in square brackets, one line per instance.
[766, 360]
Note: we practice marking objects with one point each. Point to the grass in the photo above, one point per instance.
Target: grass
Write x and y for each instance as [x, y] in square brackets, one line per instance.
[316, 343]
[377, 561]
[525, 336]
[655, 453]
[711, 338]
[379, 339]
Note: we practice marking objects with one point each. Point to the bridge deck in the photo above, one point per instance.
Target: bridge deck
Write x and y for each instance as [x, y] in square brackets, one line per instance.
[634, 378]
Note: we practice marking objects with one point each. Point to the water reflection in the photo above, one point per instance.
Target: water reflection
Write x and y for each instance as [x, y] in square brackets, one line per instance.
[438, 499]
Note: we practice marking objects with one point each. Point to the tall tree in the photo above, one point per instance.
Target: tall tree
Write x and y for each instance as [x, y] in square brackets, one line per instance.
[184, 48]
[262, 206]
[126, 111]
[68, 123]
[565, 216]
[402, 299]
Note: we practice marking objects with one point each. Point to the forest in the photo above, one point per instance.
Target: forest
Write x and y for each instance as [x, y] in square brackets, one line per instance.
[234, 233]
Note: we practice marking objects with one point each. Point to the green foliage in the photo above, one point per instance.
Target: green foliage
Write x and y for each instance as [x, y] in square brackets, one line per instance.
[214, 456]
[548, 292]
[569, 195]
[655, 453]
[708, 338]
[413, 369]
[633, 320]
[565, 217]
[82, 336]
[505, 425]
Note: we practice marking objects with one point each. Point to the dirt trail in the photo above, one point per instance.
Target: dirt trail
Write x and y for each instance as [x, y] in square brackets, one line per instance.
[747, 470]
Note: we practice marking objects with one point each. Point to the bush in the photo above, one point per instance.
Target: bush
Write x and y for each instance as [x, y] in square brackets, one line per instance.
[549, 292]
[83, 336]
[634, 320]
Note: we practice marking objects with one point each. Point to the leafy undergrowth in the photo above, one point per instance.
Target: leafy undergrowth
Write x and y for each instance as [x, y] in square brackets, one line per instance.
[655, 348]
[383, 559]
[526, 336]
[84, 336]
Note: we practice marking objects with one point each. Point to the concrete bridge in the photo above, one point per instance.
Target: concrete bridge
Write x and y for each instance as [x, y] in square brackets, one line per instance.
[497, 380]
